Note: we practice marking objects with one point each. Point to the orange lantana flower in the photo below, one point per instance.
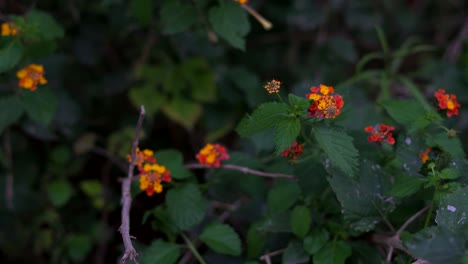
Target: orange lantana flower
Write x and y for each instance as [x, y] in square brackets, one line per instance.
[30, 76]
[242, 1]
[325, 104]
[212, 155]
[424, 155]
[9, 29]
[294, 151]
[151, 173]
[380, 133]
[447, 102]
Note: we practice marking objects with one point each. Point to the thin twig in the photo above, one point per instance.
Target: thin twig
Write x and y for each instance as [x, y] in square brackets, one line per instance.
[410, 220]
[130, 252]
[193, 249]
[265, 23]
[9, 177]
[453, 51]
[267, 256]
[243, 169]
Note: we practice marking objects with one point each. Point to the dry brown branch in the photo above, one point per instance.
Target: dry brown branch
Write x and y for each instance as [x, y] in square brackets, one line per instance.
[454, 49]
[243, 169]
[130, 252]
[267, 257]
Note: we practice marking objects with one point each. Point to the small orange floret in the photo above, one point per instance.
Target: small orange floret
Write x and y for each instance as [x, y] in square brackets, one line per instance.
[273, 86]
[30, 76]
[294, 151]
[212, 155]
[380, 133]
[424, 155]
[447, 102]
[242, 2]
[151, 173]
[325, 104]
[9, 29]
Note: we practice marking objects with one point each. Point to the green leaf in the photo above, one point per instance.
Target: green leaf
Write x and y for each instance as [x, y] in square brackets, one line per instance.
[300, 104]
[40, 105]
[231, 22]
[78, 247]
[295, 253]
[449, 174]
[406, 185]
[339, 147]
[452, 146]
[186, 206]
[148, 96]
[287, 130]
[10, 56]
[142, 10]
[173, 161]
[177, 17]
[222, 239]
[453, 210]
[10, 111]
[44, 25]
[300, 221]
[283, 195]
[198, 74]
[92, 188]
[256, 241]
[437, 245]
[59, 192]
[160, 252]
[183, 111]
[410, 113]
[335, 252]
[362, 199]
[315, 241]
[264, 117]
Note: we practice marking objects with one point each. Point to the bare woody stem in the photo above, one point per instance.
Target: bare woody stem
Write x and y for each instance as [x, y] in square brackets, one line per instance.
[265, 23]
[130, 252]
[242, 169]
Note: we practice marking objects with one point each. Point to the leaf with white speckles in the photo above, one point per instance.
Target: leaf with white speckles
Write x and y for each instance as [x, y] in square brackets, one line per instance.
[453, 210]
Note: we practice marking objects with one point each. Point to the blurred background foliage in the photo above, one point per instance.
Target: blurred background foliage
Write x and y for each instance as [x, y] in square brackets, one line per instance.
[197, 67]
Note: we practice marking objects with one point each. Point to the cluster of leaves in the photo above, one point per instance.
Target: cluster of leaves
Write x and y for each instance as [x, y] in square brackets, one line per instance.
[198, 67]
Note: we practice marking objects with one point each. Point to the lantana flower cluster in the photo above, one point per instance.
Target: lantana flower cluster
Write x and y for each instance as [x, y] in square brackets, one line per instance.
[294, 151]
[380, 133]
[424, 155]
[273, 86]
[212, 155]
[30, 76]
[325, 104]
[151, 173]
[447, 102]
[9, 29]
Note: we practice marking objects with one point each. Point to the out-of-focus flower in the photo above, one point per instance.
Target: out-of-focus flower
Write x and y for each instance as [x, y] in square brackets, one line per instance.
[9, 29]
[325, 104]
[151, 173]
[212, 155]
[447, 102]
[273, 86]
[242, 1]
[380, 133]
[424, 155]
[30, 76]
[294, 151]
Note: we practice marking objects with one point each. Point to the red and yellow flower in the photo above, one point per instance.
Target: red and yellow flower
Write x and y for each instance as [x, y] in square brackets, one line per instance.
[272, 86]
[9, 29]
[447, 102]
[30, 76]
[424, 155]
[151, 173]
[380, 133]
[325, 104]
[212, 155]
[294, 151]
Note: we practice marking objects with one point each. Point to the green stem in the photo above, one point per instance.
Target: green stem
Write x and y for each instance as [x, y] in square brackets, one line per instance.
[193, 249]
[429, 215]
